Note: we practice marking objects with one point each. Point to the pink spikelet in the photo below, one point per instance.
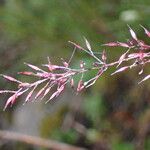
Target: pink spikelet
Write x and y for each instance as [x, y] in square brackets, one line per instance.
[146, 31]
[10, 78]
[133, 34]
[120, 70]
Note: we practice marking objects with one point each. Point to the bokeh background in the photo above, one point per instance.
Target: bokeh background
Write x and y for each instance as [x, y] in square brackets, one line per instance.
[113, 114]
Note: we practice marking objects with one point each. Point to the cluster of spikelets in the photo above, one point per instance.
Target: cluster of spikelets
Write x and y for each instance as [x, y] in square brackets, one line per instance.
[55, 78]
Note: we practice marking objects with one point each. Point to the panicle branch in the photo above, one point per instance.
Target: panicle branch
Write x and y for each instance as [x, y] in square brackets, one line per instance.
[57, 77]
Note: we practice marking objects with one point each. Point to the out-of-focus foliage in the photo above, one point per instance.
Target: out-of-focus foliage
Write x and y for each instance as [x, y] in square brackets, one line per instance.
[114, 113]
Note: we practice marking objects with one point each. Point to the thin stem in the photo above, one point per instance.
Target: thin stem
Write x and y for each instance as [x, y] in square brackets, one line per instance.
[37, 141]
[74, 50]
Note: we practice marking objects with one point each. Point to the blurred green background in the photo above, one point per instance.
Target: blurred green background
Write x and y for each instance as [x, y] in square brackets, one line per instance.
[114, 114]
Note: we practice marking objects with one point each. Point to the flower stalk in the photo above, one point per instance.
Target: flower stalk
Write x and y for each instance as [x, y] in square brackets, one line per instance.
[57, 77]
